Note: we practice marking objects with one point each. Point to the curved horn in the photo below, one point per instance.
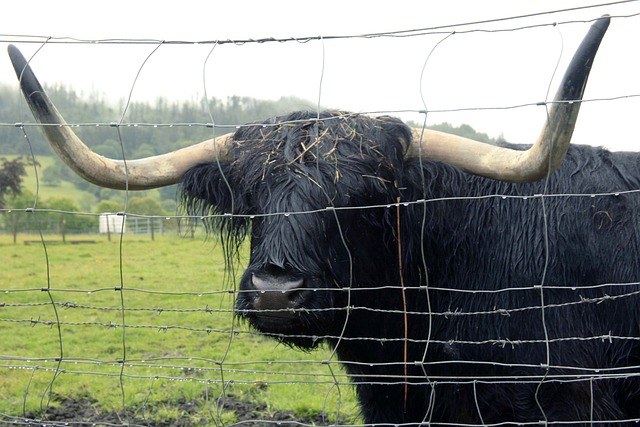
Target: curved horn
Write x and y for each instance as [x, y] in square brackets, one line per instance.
[546, 154]
[139, 174]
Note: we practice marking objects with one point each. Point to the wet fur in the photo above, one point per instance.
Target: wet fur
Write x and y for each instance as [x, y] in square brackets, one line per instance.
[449, 244]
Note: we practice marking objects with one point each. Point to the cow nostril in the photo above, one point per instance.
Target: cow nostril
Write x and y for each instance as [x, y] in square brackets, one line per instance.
[276, 292]
[295, 297]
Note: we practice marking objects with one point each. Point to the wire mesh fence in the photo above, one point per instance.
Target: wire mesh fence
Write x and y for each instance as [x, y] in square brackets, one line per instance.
[485, 304]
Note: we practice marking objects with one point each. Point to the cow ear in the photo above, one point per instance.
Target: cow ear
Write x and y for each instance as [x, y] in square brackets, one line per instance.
[395, 136]
[208, 196]
[205, 189]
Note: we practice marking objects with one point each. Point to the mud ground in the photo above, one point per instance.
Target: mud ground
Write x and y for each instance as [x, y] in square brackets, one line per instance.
[85, 412]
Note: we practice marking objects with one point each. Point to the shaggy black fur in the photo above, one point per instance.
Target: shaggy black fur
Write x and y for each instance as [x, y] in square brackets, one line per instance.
[481, 347]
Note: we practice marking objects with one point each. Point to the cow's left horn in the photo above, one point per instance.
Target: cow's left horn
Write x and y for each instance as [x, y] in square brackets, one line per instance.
[546, 154]
[139, 174]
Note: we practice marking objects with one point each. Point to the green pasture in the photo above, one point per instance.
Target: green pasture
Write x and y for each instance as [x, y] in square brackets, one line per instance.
[33, 180]
[138, 326]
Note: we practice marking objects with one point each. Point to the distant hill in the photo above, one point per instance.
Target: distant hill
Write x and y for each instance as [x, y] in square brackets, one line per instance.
[160, 127]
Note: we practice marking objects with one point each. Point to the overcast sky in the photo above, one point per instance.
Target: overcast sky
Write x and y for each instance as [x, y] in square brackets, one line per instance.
[484, 69]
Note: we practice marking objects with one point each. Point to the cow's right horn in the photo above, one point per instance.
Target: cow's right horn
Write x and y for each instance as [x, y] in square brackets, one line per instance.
[139, 174]
[546, 154]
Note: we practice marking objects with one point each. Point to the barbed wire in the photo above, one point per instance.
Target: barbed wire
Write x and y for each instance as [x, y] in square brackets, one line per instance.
[223, 371]
[436, 30]
[235, 126]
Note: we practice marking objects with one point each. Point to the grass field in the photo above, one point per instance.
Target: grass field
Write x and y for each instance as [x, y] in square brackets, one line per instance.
[140, 327]
[63, 189]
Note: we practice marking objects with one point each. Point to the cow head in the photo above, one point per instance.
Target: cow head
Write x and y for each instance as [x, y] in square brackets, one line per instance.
[290, 177]
[287, 181]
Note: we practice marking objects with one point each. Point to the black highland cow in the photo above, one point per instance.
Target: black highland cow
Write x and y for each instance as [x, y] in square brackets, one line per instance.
[452, 290]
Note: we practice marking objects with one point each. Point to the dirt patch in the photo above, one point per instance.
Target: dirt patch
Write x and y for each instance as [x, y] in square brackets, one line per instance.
[85, 412]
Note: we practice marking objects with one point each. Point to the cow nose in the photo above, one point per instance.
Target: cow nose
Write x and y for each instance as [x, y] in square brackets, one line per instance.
[276, 292]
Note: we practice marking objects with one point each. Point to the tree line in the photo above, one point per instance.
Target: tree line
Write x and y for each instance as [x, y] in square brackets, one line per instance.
[181, 123]
[138, 141]
[147, 128]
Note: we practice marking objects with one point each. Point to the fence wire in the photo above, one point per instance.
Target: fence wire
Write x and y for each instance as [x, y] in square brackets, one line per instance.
[133, 328]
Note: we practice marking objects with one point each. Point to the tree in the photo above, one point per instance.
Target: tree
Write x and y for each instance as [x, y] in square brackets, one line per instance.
[143, 150]
[12, 173]
[51, 175]
[145, 206]
[109, 206]
[109, 148]
[19, 217]
[64, 217]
